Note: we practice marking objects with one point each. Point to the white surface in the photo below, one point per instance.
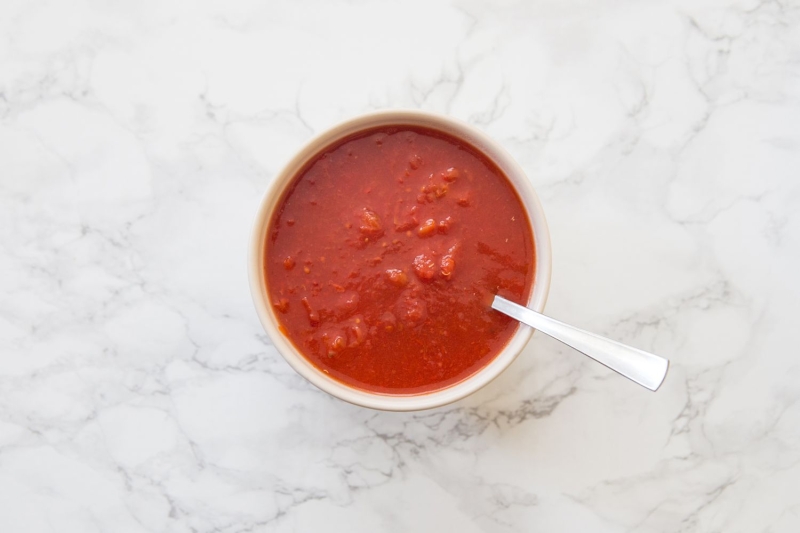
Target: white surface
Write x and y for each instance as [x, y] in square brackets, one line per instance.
[137, 390]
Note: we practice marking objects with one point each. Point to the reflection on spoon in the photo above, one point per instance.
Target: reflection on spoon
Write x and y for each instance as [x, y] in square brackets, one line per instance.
[644, 368]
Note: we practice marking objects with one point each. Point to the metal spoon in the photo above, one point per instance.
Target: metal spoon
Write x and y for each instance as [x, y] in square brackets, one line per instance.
[644, 368]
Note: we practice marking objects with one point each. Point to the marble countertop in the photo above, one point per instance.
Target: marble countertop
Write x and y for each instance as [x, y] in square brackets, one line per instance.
[138, 392]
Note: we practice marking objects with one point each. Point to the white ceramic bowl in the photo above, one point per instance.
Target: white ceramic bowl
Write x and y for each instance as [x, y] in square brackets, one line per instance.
[399, 402]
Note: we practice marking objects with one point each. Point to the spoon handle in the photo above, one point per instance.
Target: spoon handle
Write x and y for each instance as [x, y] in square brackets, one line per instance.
[644, 368]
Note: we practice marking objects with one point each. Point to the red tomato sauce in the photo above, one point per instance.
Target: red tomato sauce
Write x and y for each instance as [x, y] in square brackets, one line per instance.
[384, 255]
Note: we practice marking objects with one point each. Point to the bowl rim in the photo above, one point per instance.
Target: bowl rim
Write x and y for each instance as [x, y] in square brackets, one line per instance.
[273, 195]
